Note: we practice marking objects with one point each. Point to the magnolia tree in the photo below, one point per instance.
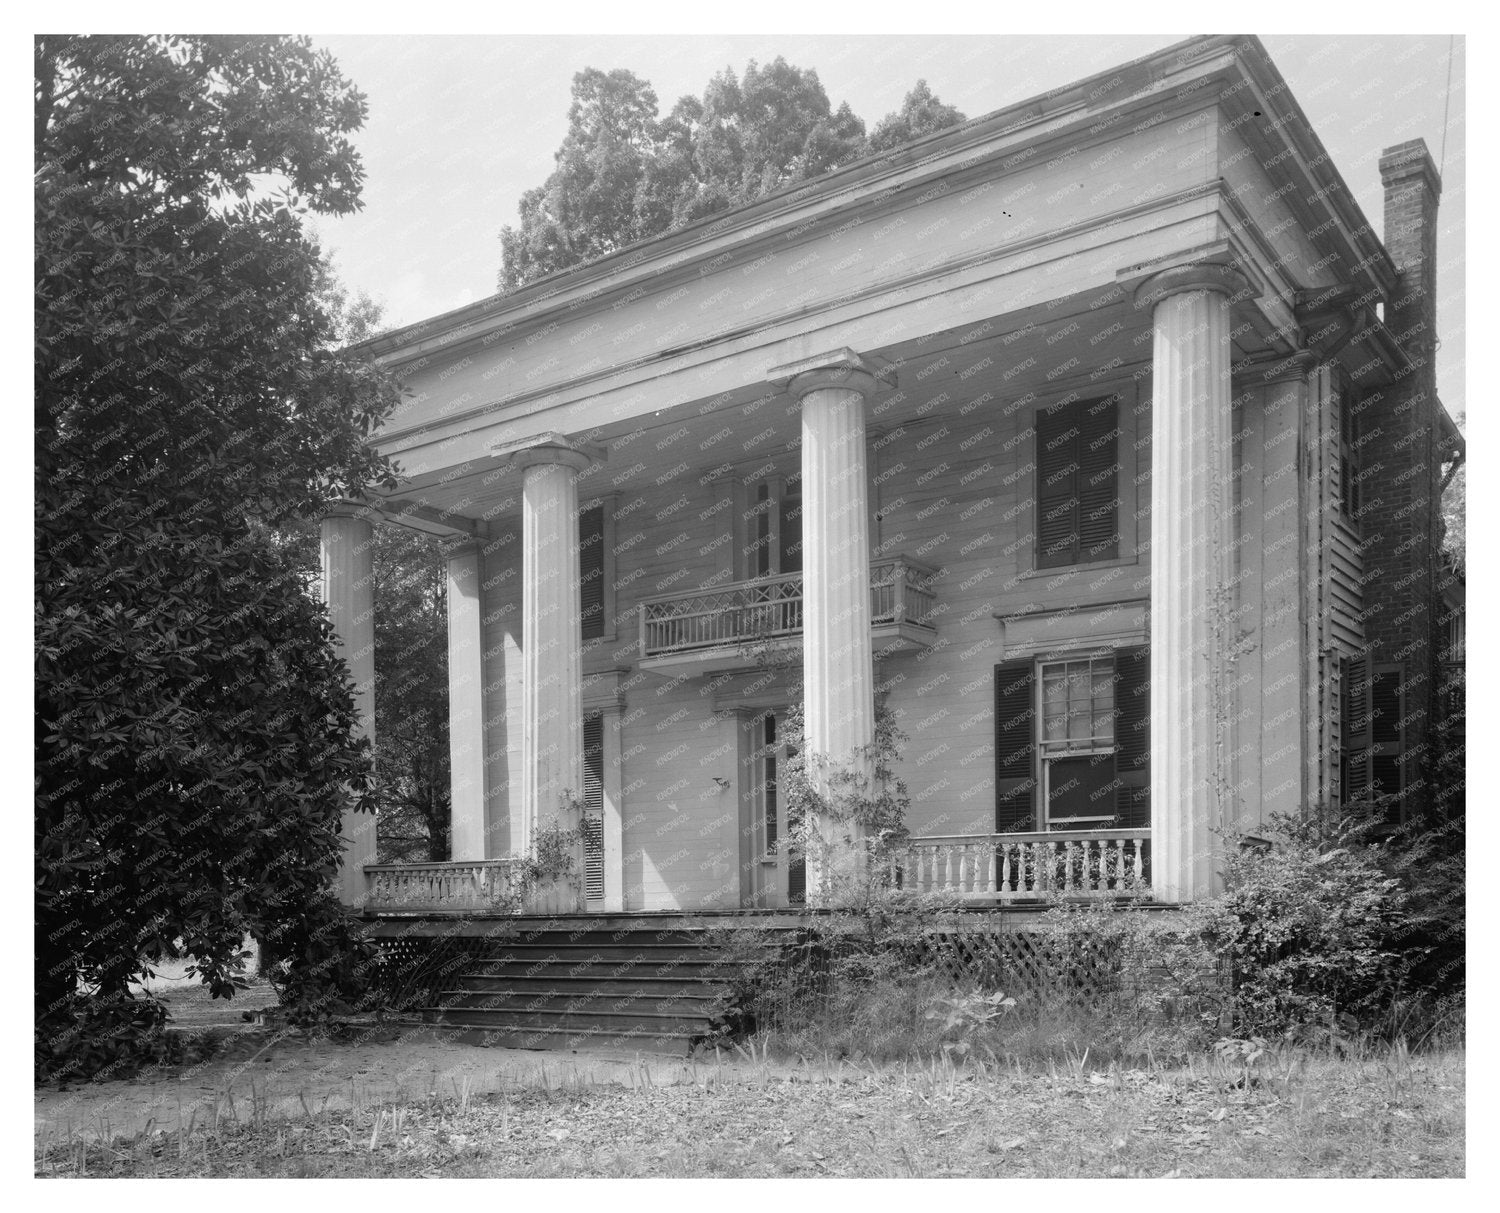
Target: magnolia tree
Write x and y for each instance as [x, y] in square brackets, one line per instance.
[195, 744]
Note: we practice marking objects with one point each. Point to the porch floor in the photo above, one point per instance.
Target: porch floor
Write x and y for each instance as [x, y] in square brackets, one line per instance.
[386, 924]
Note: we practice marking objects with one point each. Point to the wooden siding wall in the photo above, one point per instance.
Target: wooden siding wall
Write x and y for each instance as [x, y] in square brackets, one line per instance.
[1269, 672]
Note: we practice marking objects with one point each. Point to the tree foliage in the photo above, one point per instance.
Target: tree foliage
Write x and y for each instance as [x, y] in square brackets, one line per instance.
[921, 113]
[194, 744]
[624, 174]
[411, 697]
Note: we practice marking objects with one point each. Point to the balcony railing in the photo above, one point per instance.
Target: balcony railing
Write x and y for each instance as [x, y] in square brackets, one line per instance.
[770, 609]
[999, 868]
[489, 886]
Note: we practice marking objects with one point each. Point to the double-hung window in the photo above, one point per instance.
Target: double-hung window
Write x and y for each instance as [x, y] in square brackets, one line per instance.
[1077, 749]
[1072, 741]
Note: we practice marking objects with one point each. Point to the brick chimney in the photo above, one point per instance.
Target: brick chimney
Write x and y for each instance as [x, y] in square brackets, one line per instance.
[1412, 187]
[1401, 526]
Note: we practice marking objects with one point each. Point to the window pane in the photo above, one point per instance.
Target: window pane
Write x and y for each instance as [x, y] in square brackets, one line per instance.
[1078, 704]
[1080, 788]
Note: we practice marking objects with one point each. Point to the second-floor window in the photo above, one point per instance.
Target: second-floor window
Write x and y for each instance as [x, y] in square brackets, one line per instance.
[776, 526]
[1077, 478]
[1349, 462]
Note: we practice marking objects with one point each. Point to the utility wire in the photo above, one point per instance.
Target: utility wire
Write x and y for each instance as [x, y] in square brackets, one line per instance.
[1447, 97]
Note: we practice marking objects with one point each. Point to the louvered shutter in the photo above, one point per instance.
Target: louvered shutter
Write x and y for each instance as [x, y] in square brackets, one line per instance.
[1015, 747]
[1098, 481]
[593, 807]
[1078, 483]
[1056, 492]
[1387, 731]
[1133, 737]
[591, 570]
[1355, 759]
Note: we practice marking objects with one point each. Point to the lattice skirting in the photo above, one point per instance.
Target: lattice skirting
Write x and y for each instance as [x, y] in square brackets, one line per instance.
[1039, 965]
[413, 969]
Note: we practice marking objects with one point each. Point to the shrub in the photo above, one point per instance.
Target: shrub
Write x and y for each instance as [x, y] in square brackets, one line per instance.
[1311, 933]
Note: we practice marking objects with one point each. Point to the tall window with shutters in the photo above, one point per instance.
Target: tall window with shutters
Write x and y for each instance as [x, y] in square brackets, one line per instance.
[1077, 483]
[1350, 473]
[1071, 742]
[593, 560]
[1373, 709]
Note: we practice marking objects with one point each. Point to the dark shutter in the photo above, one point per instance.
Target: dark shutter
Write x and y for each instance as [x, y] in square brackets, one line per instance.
[591, 570]
[1133, 737]
[1349, 470]
[1387, 733]
[1078, 483]
[1015, 747]
[1098, 482]
[593, 807]
[1355, 775]
[1056, 480]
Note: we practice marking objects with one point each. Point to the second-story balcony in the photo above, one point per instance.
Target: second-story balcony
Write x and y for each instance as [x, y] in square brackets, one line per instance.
[737, 625]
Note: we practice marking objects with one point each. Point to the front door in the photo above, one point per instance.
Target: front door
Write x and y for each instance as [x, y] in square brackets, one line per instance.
[777, 869]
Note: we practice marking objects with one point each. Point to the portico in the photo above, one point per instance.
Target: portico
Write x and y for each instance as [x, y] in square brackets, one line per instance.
[1028, 458]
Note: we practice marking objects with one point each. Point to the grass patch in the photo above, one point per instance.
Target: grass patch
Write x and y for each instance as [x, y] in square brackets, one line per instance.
[1291, 1113]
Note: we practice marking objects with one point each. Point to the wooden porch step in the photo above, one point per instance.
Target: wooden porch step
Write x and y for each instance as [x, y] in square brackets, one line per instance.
[591, 935]
[639, 953]
[572, 1000]
[555, 987]
[636, 1023]
[574, 986]
[561, 1039]
[586, 965]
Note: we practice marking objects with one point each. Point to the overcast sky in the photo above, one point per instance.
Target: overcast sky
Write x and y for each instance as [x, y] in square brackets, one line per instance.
[460, 126]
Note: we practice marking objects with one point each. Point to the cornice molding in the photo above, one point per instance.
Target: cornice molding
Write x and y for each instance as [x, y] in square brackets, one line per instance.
[1227, 70]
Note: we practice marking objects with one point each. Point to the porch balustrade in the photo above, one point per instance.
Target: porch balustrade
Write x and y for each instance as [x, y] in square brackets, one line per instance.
[494, 886]
[1000, 868]
[770, 608]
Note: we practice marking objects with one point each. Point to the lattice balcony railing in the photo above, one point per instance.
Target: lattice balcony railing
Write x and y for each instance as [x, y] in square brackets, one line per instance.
[770, 608]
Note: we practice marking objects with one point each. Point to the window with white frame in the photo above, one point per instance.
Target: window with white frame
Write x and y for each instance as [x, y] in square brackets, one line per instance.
[1077, 743]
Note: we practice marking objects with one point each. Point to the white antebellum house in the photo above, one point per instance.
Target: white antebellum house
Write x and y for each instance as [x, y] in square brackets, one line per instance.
[1097, 435]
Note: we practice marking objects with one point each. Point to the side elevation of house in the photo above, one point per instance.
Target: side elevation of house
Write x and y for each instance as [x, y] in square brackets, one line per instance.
[1098, 438]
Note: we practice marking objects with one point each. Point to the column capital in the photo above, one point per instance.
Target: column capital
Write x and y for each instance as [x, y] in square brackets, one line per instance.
[840, 368]
[549, 448]
[456, 546]
[347, 507]
[1273, 368]
[1199, 276]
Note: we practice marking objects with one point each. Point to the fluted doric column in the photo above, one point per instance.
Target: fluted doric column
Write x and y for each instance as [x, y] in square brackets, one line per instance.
[348, 556]
[1191, 554]
[466, 745]
[837, 668]
[551, 632]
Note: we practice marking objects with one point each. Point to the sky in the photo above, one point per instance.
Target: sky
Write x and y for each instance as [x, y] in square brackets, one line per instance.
[460, 126]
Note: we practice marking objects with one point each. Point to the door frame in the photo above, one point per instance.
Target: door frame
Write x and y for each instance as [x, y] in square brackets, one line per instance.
[766, 874]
